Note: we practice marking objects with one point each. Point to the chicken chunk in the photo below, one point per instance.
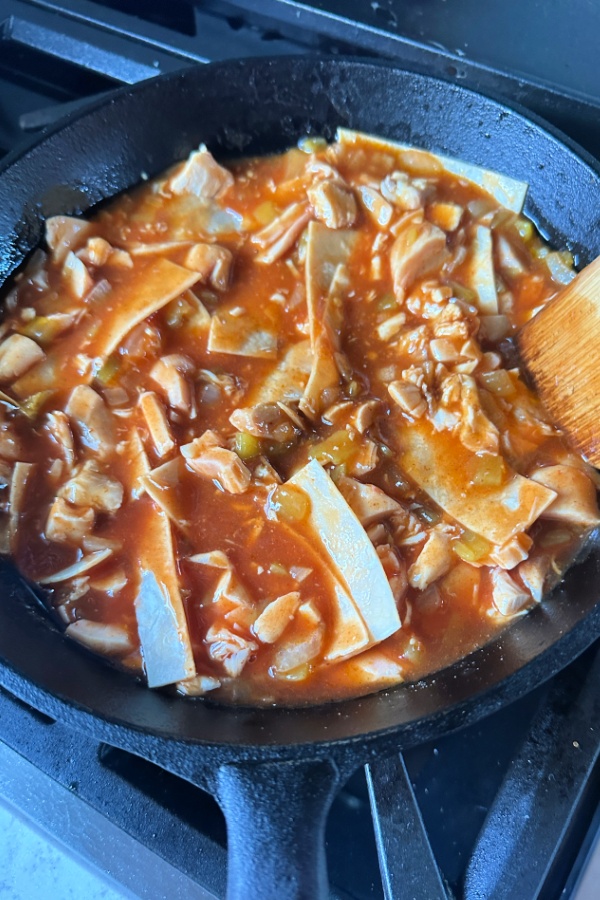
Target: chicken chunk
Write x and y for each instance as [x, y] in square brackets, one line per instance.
[408, 397]
[333, 203]
[157, 423]
[91, 420]
[169, 374]
[280, 235]
[59, 430]
[229, 649]
[202, 176]
[267, 420]
[275, 617]
[212, 262]
[508, 597]
[217, 463]
[368, 503]
[75, 277]
[65, 234]
[68, 524]
[378, 209]
[403, 192]
[434, 560]
[417, 250]
[89, 486]
[18, 354]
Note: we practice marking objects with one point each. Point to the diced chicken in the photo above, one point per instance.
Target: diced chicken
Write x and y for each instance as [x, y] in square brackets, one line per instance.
[96, 252]
[212, 262]
[304, 644]
[90, 487]
[508, 597]
[533, 573]
[66, 233]
[157, 423]
[400, 190]
[454, 323]
[91, 420]
[169, 374]
[391, 326]
[333, 203]
[365, 414]
[445, 215]
[408, 397]
[375, 669]
[18, 354]
[476, 431]
[576, 501]
[202, 176]
[267, 420]
[265, 474]
[58, 428]
[217, 463]
[231, 650]
[110, 640]
[378, 209]
[443, 350]
[513, 552]
[275, 617]
[68, 524]
[418, 250]
[230, 595]
[280, 235]
[364, 459]
[75, 277]
[368, 503]
[198, 686]
[434, 560]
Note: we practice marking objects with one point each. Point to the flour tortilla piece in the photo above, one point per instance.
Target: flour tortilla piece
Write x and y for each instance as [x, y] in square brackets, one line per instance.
[143, 291]
[352, 554]
[286, 383]
[162, 625]
[507, 191]
[240, 336]
[481, 271]
[326, 251]
[496, 513]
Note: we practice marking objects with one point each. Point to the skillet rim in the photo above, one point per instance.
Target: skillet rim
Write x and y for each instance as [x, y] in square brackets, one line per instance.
[503, 690]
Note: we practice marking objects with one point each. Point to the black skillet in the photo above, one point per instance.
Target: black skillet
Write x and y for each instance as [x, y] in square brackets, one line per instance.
[274, 771]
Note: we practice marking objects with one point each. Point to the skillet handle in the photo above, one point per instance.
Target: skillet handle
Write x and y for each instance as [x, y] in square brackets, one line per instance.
[276, 814]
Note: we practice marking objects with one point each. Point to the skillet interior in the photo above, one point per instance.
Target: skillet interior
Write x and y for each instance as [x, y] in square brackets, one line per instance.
[252, 107]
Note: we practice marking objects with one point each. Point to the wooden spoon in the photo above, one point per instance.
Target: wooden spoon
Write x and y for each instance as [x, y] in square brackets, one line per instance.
[560, 347]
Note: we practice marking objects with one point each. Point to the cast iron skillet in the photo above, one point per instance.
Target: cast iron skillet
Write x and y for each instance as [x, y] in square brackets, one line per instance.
[274, 771]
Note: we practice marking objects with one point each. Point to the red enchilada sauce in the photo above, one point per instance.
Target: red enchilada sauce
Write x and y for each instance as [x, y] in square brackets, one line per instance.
[262, 433]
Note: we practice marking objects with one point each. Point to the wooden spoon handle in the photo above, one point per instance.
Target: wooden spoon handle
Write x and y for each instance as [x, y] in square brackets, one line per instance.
[560, 348]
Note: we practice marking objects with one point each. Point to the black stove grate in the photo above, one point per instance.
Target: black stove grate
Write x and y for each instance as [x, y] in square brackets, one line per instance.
[502, 809]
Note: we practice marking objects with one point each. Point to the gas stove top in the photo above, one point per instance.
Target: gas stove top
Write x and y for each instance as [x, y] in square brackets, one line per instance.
[507, 808]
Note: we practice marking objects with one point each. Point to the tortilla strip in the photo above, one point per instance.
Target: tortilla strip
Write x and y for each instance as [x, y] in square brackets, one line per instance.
[144, 290]
[482, 275]
[496, 513]
[162, 625]
[240, 336]
[507, 191]
[326, 251]
[288, 379]
[352, 554]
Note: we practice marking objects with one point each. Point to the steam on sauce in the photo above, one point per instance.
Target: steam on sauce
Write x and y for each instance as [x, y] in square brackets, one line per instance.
[262, 432]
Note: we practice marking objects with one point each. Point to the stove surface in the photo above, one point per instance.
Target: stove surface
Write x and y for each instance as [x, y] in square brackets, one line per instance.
[504, 809]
